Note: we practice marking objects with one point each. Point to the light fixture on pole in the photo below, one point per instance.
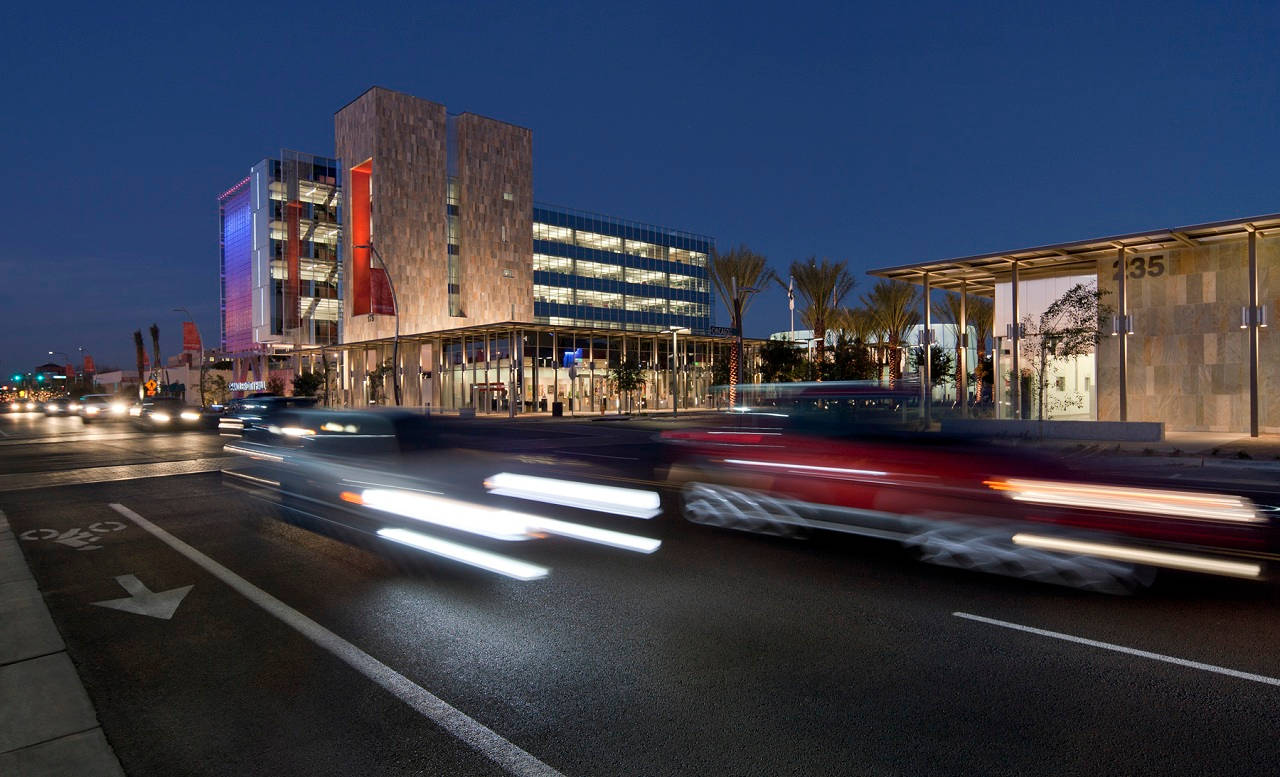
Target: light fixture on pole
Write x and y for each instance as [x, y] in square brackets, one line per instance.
[395, 306]
[675, 367]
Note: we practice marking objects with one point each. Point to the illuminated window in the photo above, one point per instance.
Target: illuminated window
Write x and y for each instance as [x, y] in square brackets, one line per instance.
[560, 264]
[599, 242]
[648, 250]
[599, 270]
[649, 277]
[552, 233]
[556, 294]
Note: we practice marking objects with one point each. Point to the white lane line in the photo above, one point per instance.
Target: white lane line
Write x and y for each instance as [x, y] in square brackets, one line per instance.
[462, 726]
[1257, 678]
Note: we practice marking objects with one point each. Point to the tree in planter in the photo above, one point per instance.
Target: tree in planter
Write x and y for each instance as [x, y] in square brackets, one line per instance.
[275, 385]
[307, 384]
[377, 379]
[1068, 328]
[627, 378]
[216, 390]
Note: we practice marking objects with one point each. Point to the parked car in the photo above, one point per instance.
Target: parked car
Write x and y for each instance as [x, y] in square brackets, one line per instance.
[164, 413]
[103, 407]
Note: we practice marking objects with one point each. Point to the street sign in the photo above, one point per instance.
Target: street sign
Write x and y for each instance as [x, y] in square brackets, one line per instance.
[722, 331]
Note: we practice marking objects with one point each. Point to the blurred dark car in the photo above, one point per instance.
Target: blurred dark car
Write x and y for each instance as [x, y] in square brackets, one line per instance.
[168, 413]
[241, 414]
[851, 459]
[103, 407]
[412, 480]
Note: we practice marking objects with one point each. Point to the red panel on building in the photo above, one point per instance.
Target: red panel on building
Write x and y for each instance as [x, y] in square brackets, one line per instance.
[190, 341]
[361, 231]
[381, 300]
[292, 279]
[88, 365]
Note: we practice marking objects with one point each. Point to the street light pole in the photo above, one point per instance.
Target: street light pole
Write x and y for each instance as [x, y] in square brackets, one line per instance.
[200, 337]
[395, 305]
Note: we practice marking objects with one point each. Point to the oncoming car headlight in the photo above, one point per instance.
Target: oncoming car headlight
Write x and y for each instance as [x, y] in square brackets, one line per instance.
[189, 415]
[163, 418]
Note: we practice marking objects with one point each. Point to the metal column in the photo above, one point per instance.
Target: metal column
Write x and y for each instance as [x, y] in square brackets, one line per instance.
[962, 357]
[1015, 381]
[926, 354]
[1252, 320]
[1123, 326]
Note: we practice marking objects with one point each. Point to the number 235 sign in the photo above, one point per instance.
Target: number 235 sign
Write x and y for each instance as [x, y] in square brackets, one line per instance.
[1140, 267]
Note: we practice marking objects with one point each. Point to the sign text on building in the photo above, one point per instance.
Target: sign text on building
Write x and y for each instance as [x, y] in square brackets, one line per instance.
[249, 385]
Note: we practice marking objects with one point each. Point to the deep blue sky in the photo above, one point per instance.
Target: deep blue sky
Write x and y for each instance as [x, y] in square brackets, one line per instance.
[883, 134]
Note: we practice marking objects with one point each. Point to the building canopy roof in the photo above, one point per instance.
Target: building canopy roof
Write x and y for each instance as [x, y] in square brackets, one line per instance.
[980, 272]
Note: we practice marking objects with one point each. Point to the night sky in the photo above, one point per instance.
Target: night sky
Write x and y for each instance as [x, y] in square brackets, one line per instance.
[884, 134]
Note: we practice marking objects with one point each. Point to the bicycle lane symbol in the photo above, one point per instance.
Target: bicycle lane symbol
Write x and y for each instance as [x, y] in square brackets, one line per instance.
[76, 538]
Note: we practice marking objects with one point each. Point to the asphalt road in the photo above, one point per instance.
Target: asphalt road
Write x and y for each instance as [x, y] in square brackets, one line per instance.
[721, 653]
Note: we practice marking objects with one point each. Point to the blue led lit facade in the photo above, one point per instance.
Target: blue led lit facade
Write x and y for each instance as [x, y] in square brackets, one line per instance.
[596, 271]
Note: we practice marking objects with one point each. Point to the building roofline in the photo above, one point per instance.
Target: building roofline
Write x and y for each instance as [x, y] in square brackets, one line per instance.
[626, 222]
[947, 273]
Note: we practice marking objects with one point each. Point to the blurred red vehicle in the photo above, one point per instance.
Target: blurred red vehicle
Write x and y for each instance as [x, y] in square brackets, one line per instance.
[853, 458]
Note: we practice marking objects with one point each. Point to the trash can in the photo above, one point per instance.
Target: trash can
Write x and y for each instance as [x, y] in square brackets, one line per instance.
[557, 409]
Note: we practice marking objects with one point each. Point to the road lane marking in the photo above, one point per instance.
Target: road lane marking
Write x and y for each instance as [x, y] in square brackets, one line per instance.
[462, 726]
[1257, 678]
[25, 481]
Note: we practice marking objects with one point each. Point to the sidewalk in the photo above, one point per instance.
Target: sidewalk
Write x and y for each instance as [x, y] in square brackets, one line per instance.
[48, 727]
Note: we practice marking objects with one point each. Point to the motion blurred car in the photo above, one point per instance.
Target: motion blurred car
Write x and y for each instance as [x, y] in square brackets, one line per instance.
[103, 407]
[832, 458]
[241, 414]
[410, 480]
[59, 406]
[168, 413]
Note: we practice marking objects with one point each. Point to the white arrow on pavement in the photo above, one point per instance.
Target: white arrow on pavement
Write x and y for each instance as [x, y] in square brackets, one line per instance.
[142, 601]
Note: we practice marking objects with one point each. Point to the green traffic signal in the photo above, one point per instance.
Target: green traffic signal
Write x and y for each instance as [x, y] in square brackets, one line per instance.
[17, 378]
[40, 378]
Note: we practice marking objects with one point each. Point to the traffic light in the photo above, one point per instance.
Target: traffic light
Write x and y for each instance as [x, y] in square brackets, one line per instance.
[17, 377]
[40, 378]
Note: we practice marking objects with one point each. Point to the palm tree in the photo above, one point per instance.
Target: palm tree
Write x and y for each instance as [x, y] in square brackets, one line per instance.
[895, 308]
[142, 354]
[982, 319]
[823, 288]
[736, 275]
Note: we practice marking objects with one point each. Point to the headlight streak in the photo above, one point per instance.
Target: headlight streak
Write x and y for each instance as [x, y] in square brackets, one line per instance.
[809, 468]
[629, 502]
[492, 562]
[92, 410]
[490, 522]
[1156, 558]
[163, 418]
[189, 415]
[259, 455]
[1147, 501]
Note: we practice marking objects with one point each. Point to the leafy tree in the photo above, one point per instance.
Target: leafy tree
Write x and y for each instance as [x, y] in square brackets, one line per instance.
[216, 390]
[627, 378]
[307, 384]
[941, 364]
[823, 287]
[275, 385]
[781, 361]
[1068, 328]
[982, 318]
[895, 308]
[852, 360]
[377, 379]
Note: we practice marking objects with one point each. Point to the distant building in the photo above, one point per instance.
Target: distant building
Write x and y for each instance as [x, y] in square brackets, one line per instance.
[499, 302]
[280, 268]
